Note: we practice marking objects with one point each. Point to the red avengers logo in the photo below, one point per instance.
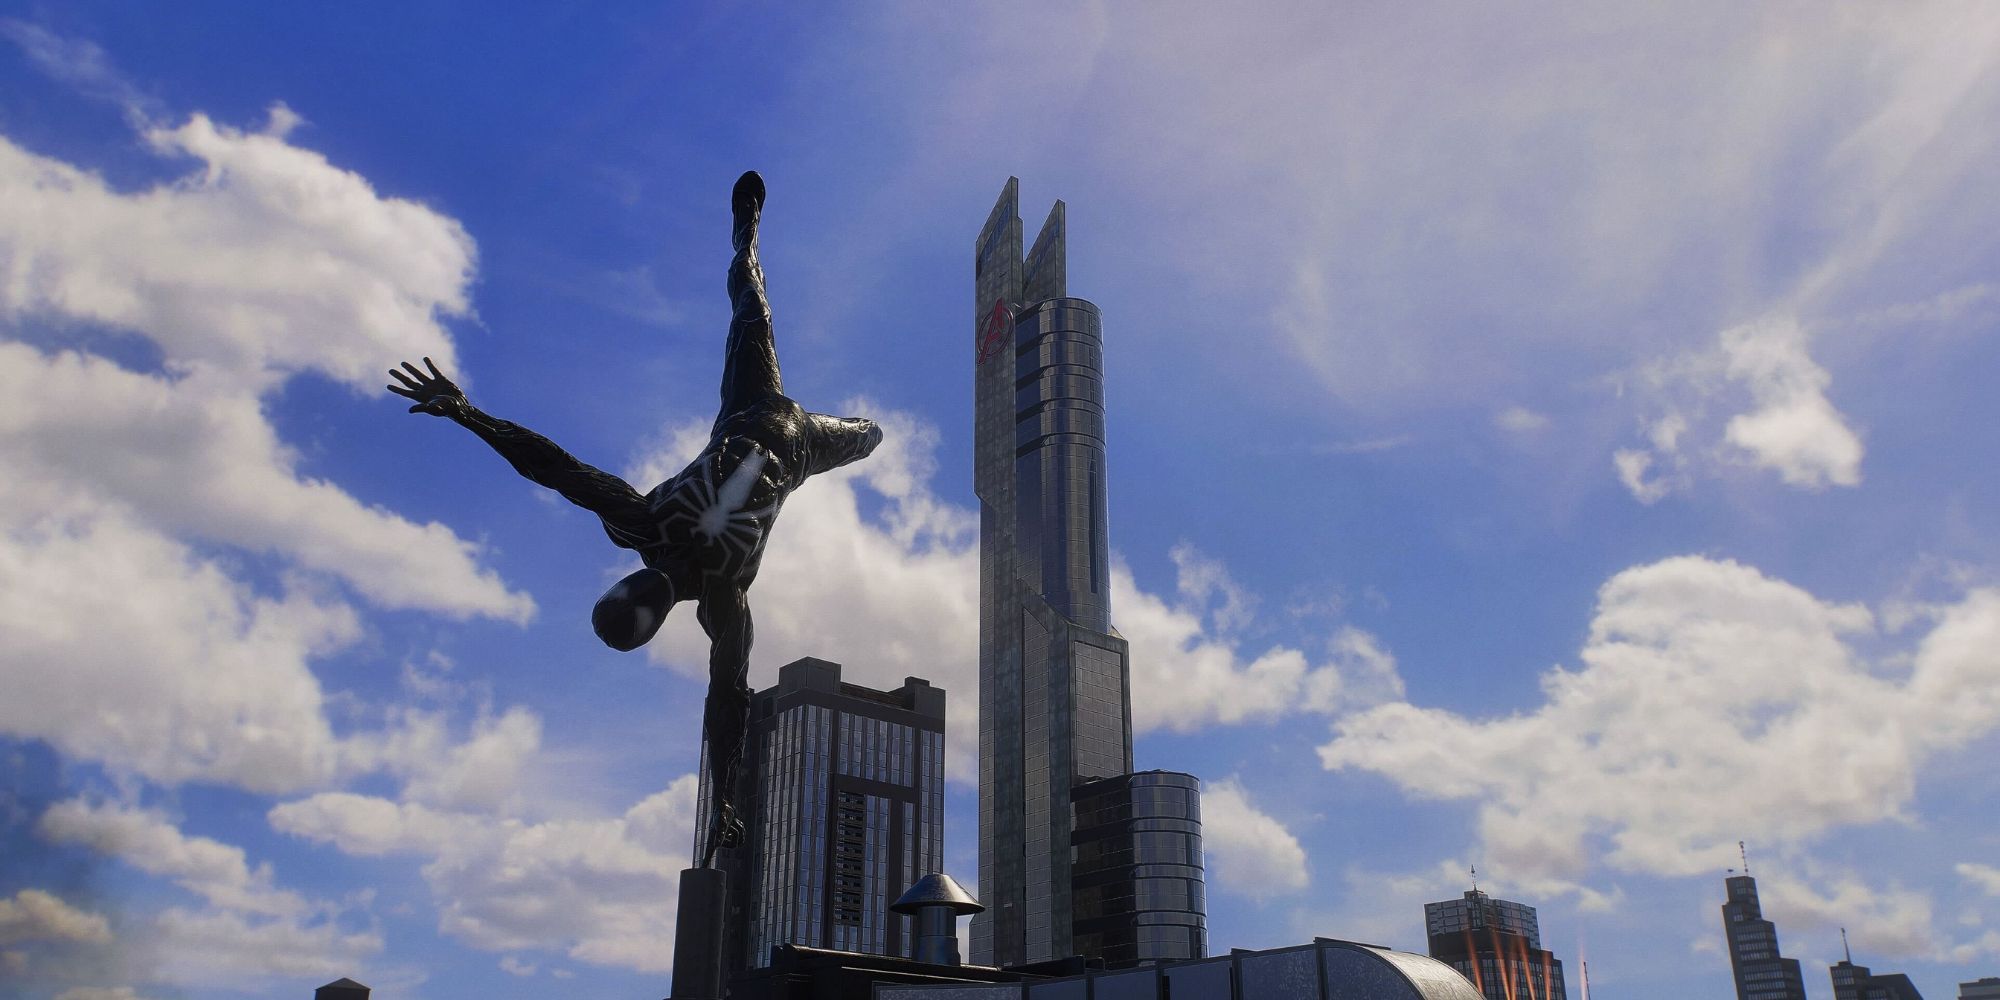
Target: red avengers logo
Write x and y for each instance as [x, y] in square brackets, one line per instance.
[998, 323]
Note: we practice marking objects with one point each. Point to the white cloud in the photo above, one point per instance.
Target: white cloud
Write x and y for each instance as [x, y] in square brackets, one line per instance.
[248, 930]
[1894, 922]
[1714, 703]
[1521, 420]
[132, 492]
[99, 993]
[1984, 876]
[302, 265]
[601, 890]
[1201, 581]
[1632, 466]
[200, 459]
[1779, 416]
[223, 692]
[1186, 677]
[1793, 429]
[223, 947]
[218, 872]
[515, 967]
[1249, 852]
[34, 915]
[484, 772]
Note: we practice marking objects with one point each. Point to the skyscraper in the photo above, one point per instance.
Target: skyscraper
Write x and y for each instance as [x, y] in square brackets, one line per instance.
[842, 791]
[1983, 988]
[1761, 972]
[1855, 982]
[1496, 944]
[1054, 677]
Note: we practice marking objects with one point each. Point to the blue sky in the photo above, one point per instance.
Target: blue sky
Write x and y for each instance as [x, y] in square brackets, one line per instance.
[1557, 441]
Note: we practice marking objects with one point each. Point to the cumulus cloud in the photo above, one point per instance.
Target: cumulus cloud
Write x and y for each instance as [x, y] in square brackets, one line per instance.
[600, 890]
[1713, 702]
[248, 929]
[1248, 851]
[218, 872]
[303, 265]
[226, 947]
[1779, 418]
[1894, 922]
[223, 693]
[35, 915]
[1793, 429]
[1984, 876]
[1187, 676]
[484, 772]
[133, 485]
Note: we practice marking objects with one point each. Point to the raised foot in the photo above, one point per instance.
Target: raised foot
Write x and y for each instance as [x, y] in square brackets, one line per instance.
[748, 195]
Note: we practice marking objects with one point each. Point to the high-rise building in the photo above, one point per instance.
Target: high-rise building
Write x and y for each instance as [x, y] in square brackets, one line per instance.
[1761, 972]
[1496, 944]
[1855, 982]
[841, 792]
[1054, 677]
[1983, 988]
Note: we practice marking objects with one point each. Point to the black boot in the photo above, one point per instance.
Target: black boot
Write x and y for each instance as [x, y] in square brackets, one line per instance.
[746, 204]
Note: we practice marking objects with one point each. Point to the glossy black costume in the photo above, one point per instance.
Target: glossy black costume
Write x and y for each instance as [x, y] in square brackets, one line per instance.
[701, 533]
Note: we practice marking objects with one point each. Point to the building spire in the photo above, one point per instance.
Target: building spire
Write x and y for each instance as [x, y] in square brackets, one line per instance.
[1744, 853]
[1475, 877]
[1843, 947]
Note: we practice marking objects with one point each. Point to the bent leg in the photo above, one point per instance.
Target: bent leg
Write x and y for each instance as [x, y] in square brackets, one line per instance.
[750, 363]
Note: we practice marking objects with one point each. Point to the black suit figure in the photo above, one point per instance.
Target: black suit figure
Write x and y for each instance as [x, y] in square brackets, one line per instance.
[702, 532]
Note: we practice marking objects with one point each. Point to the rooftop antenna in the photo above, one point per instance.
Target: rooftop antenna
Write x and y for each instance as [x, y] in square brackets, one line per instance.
[1843, 946]
[1475, 877]
[1745, 853]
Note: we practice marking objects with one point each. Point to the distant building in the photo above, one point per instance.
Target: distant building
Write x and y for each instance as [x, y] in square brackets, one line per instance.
[842, 797]
[1761, 972]
[1496, 944]
[1985, 988]
[1856, 982]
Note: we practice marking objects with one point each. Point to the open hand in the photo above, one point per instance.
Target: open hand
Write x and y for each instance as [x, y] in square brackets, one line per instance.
[434, 394]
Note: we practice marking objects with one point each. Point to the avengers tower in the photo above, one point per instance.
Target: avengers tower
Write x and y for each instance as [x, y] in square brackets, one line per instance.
[1055, 707]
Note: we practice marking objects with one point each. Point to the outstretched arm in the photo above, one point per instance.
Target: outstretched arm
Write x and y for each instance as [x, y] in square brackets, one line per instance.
[531, 454]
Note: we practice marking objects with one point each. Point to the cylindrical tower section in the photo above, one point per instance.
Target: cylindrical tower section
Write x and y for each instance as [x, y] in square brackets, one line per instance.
[1059, 458]
[1139, 895]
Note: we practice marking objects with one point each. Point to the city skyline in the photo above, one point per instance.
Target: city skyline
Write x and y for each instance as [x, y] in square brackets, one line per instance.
[1554, 443]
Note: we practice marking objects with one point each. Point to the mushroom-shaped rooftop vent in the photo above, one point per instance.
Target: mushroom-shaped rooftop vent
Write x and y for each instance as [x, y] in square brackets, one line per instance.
[936, 889]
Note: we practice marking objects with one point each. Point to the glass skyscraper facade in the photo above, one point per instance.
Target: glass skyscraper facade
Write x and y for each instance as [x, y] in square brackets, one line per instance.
[1761, 972]
[1054, 676]
[842, 795]
[1496, 944]
[1138, 888]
